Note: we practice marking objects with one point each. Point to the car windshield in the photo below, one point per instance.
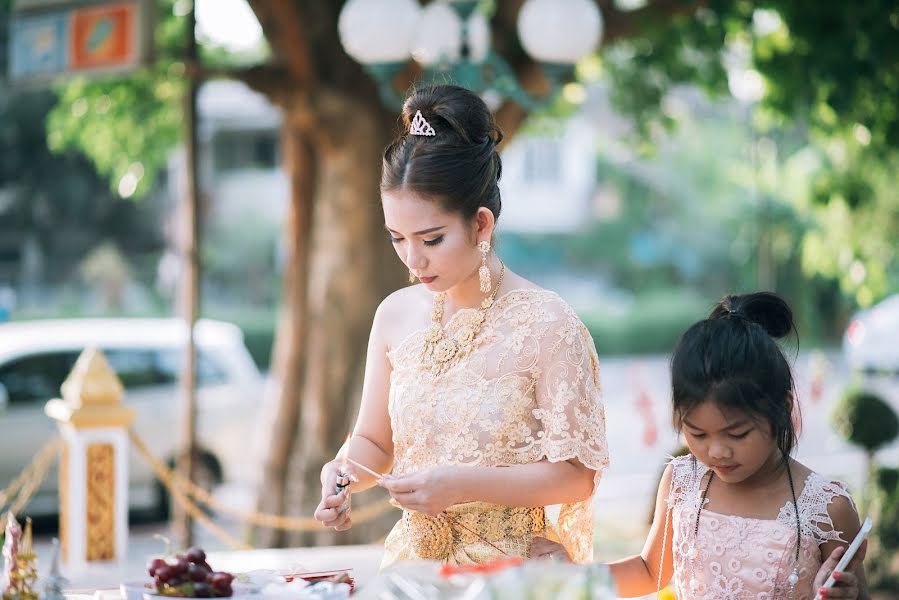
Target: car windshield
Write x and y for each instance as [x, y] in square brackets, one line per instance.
[38, 377]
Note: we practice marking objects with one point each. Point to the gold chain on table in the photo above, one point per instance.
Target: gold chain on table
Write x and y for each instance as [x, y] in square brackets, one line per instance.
[19, 492]
[22, 488]
[166, 476]
[189, 489]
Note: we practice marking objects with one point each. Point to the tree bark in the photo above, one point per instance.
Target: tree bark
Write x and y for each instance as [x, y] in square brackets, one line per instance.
[340, 268]
[349, 274]
[290, 348]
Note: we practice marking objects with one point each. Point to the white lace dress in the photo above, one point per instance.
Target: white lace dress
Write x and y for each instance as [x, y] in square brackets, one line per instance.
[740, 558]
[528, 392]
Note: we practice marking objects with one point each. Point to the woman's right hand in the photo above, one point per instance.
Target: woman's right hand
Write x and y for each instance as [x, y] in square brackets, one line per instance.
[334, 509]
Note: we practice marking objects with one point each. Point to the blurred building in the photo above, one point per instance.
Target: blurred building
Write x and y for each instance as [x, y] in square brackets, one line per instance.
[549, 176]
[243, 197]
[240, 151]
[549, 179]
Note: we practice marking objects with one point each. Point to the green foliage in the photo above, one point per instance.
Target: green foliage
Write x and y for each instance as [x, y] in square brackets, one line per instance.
[242, 250]
[667, 52]
[882, 560]
[835, 65]
[42, 191]
[93, 116]
[865, 420]
[693, 215]
[831, 66]
[50, 196]
[829, 73]
[856, 216]
[127, 125]
[651, 324]
[830, 70]
[258, 327]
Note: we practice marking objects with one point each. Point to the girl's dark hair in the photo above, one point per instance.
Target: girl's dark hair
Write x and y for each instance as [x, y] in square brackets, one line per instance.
[459, 165]
[732, 359]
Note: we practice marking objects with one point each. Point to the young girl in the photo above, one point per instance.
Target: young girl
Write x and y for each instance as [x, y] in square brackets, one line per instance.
[738, 518]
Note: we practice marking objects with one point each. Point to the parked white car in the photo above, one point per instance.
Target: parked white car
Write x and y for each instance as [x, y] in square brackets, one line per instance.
[871, 341]
[37, 356]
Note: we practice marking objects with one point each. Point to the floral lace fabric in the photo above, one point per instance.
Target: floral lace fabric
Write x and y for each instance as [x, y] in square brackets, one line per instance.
[739, 558]
[528, 391]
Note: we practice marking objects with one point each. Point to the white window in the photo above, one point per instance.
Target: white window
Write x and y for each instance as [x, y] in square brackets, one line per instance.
[542, 161]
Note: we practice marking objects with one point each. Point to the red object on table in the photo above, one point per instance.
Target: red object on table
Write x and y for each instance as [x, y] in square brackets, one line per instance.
[489, 567]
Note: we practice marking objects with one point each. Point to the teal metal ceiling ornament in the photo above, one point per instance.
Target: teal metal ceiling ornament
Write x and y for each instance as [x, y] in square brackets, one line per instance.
[450, 39]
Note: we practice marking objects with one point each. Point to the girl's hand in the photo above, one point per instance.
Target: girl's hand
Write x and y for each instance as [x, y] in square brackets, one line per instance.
[430, 491]
[846, 586]
[544, 548]
[334, 509]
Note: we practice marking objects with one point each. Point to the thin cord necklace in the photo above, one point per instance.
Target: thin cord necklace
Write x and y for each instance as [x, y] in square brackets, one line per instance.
[441, 350]
[793, 579]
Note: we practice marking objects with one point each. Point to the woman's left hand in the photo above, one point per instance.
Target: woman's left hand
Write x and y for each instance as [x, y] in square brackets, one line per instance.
[429, 491]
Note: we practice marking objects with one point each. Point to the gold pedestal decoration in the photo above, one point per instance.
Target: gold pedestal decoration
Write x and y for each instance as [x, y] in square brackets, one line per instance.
[93, 470]
[100, 502]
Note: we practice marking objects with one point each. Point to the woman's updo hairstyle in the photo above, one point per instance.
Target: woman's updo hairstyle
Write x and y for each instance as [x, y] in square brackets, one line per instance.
[733, 359]
[458, 166]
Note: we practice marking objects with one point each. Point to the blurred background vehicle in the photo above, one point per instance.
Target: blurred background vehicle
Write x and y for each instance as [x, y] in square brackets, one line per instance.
[37, 356]
[871, 351]
[871, 341]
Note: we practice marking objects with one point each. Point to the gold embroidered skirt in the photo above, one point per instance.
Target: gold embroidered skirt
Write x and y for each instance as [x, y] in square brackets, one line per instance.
[458, 535]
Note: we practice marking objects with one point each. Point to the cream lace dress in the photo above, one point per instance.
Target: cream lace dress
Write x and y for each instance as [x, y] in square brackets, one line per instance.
[739, 558]
[529, 391]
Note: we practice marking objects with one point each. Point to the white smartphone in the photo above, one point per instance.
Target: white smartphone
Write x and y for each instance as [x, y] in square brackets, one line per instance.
[851, 550]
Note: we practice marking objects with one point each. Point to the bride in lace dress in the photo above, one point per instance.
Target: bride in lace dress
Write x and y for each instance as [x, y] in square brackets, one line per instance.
[481, 395]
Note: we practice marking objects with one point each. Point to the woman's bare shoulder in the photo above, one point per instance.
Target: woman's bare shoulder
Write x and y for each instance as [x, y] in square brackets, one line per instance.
[404, 299]
[402, 312]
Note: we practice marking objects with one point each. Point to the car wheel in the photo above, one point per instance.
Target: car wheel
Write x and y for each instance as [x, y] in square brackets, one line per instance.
[207, 473]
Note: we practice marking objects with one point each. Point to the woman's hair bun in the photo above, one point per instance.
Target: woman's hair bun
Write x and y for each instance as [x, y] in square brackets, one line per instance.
[764, 308]
[453, 111]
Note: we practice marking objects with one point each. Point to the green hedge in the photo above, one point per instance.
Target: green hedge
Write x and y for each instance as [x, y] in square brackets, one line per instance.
[882, 560]
[651, 324]
[258, 327]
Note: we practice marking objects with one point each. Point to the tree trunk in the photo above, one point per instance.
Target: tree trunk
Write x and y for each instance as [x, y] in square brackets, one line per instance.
[289, 349]
[340, 269]
[338, 264]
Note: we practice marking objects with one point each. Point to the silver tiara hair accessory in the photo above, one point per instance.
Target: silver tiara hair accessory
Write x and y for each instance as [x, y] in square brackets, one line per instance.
[420, 126]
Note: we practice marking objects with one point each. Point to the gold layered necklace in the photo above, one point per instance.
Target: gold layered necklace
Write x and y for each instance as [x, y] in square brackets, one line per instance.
[441, 349]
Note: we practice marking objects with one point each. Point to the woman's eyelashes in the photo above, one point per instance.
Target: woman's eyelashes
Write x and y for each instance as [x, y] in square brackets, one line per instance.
[396, 240]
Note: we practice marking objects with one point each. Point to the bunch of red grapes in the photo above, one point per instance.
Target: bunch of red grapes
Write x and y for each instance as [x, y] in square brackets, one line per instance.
[189, 575]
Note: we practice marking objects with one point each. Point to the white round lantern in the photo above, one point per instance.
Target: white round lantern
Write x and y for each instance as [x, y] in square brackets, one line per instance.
[438, 36]
[378, 31]
[559, 31]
